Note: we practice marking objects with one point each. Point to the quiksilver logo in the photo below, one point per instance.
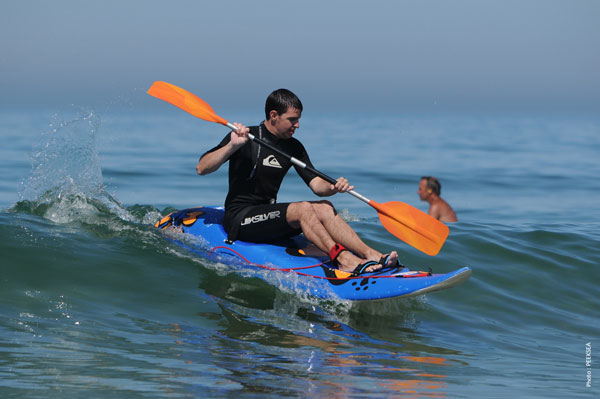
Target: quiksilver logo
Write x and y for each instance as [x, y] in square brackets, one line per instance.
[261, 218]
[271, 161]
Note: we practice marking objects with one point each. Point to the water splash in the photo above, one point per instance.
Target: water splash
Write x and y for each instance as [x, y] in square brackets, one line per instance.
[66, 182]
[65, 159]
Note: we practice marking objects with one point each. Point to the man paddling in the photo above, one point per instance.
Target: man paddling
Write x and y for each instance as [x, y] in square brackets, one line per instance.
[255, 175]
[429, 191]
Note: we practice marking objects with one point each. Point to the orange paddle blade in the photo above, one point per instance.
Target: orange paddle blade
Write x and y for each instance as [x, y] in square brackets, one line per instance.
[185, 100]
[412, 226]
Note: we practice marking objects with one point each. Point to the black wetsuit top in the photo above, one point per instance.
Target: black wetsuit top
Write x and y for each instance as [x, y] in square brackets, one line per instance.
[256, 173]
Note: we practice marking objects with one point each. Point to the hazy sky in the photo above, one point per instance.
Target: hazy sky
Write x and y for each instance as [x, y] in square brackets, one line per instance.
[423, 55]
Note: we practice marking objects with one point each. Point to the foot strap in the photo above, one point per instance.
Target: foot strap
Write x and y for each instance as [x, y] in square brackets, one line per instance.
[335, 251]
[384, 260]
[360, 269]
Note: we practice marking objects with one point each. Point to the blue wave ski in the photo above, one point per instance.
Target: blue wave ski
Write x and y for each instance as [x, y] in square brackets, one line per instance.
[316, 275]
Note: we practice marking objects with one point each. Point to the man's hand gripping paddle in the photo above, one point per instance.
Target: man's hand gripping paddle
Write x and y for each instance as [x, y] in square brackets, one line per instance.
[409, 224]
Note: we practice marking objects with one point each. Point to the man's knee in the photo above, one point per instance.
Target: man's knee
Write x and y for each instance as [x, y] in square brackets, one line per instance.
[298, 211]
[324, 209]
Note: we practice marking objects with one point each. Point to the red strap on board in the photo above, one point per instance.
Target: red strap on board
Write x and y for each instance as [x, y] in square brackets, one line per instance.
[334, 252]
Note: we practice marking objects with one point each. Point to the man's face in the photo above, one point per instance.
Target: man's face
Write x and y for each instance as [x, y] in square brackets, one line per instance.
[423, 191]
[285, 124]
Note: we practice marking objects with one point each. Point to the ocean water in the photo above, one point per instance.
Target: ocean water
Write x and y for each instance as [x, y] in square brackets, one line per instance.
[94, 301]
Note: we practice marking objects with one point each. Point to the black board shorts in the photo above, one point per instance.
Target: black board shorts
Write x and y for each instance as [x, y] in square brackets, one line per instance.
[261, 223]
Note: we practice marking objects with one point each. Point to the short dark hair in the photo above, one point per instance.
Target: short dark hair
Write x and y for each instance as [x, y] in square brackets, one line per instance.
[280, 101]
[433, 184]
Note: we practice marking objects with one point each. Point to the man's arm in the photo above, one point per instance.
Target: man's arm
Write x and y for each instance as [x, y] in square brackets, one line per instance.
[443, 212]
[212, 161]
[323, 188]
[434, 211]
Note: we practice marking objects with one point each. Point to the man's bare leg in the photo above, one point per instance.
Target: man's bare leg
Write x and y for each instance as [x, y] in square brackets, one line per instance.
[324, 227]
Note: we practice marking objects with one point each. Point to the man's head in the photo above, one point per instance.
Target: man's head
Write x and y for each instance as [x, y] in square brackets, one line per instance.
[280, 101]
[283, 111]
[427, 186]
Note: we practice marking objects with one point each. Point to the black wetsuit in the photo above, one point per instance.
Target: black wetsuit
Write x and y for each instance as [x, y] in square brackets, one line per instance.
[255, 175]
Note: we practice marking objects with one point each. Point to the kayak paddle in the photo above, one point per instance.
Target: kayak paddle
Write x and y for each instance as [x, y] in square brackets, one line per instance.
[406, 222]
